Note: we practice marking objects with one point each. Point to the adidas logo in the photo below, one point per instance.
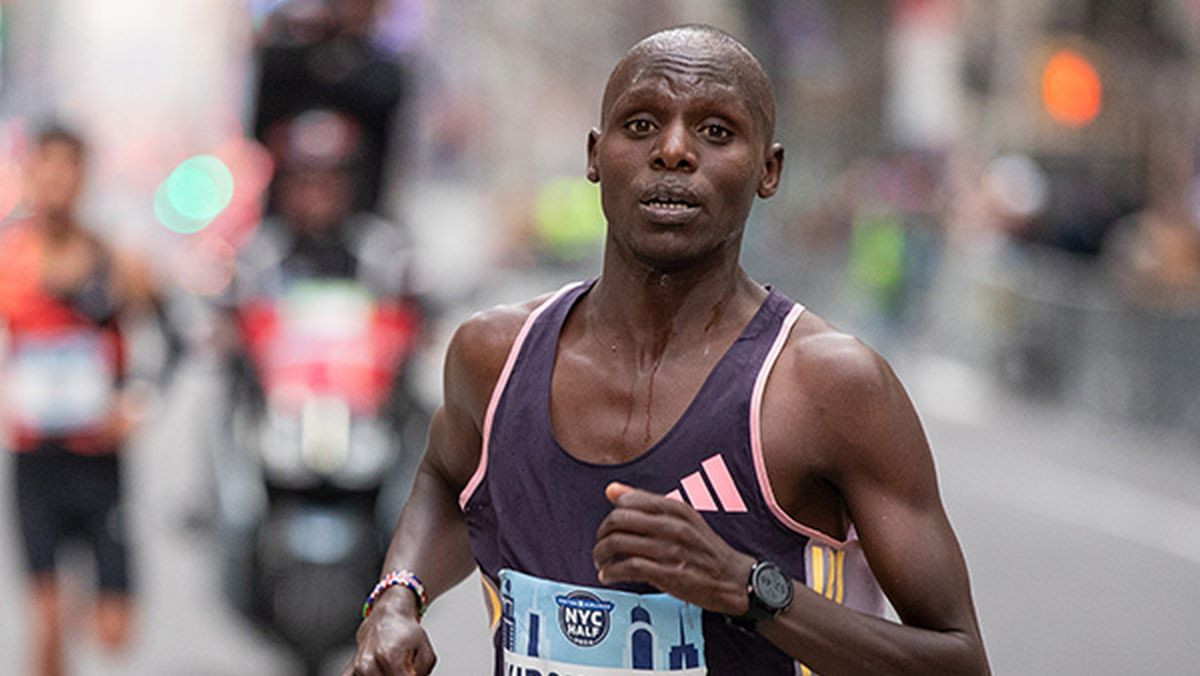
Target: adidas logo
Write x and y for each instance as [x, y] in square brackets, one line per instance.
[697, 489]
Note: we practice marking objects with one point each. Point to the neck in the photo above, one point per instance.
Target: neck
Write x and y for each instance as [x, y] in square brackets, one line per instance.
[55, 226]
[646, 306]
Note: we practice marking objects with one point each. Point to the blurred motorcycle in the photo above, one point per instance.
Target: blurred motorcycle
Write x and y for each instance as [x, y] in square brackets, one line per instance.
[324, 438]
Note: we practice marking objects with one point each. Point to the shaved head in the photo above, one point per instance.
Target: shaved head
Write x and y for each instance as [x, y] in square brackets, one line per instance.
[719, 54]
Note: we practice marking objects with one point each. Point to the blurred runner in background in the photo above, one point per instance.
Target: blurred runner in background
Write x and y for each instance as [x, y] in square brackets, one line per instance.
[63, 293]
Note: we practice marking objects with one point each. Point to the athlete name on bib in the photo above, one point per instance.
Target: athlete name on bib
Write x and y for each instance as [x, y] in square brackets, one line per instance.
[554, 629]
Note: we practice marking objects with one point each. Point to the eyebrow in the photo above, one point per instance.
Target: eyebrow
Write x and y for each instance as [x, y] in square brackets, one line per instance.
[639, 94]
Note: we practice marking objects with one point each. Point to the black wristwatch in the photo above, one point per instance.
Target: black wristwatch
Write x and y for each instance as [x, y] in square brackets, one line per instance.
[770, 592]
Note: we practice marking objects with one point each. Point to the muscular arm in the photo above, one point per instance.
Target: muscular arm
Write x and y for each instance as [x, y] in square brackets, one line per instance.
[878, 460]
[839, 436]
[431, 536]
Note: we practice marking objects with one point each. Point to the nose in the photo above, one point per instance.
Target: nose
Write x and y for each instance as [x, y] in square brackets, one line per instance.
[673, 151]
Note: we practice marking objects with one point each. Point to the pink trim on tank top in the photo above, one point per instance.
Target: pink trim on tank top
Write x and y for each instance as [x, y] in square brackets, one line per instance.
[756, 449]
[498, 390]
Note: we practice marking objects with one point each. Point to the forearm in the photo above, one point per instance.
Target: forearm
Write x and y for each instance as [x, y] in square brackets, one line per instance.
[431, 536]
[831, 639]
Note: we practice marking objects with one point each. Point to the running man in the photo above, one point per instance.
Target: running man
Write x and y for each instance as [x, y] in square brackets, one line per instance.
[673, 468]
[62, 294]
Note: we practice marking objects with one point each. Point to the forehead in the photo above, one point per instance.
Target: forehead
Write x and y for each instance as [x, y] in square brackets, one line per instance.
[57, 151]
[694, 74]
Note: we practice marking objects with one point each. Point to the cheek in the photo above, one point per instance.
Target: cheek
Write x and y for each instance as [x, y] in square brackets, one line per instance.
[738, 182]
[610, 204]
[615, 166]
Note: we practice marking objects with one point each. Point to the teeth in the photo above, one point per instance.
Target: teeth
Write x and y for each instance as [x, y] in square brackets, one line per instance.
[670, 205]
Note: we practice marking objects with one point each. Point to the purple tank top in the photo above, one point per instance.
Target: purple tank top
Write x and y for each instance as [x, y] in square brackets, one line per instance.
[532, 510]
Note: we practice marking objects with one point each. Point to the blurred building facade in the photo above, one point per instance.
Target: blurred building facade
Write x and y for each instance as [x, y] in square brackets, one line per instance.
[1055, 140]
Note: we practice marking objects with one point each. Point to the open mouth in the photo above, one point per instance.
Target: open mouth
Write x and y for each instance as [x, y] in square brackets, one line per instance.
[670, 208]
[668, 203]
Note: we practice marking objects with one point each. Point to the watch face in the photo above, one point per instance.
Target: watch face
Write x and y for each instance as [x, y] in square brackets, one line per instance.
[772, 587]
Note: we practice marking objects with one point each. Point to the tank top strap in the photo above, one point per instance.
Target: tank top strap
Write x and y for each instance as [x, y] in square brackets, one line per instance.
[526, 357]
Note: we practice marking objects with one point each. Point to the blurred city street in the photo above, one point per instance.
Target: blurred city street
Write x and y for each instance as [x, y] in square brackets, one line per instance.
[1028, 261]
[1082, 535]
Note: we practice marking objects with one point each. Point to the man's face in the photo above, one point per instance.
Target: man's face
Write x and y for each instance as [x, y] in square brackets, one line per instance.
[315, 201]
[54, 179]
[679, 158]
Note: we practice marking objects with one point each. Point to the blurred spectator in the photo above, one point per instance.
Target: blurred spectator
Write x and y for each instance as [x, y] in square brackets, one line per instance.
[1156, 257]
[1155, 251]
[893, 207]
[68, 407]
[318, 54]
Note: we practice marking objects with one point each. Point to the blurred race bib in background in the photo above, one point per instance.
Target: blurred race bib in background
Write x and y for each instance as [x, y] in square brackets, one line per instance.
[60, 383]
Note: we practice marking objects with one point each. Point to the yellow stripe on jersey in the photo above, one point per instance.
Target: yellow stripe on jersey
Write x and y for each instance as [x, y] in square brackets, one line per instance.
[841, 576]
[831, 584]
[492, 598]
[818, 569]
[833, 578]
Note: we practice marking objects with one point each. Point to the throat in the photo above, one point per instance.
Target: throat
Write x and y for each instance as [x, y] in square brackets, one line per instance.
[612, 403]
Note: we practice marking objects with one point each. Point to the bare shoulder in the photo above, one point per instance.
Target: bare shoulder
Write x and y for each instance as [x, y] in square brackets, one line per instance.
[823, 360]
[477, 353]
[842, 398]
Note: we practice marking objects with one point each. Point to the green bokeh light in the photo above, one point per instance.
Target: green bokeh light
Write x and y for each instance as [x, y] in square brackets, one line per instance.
[173, 220]
[569, 220]
[195, 193]
[200, 187]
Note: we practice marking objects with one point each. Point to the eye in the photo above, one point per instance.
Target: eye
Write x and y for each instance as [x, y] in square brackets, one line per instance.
[639, 126]
[716, 132]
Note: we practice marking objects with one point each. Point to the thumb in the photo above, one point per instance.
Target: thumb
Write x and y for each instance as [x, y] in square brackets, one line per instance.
[615, 490]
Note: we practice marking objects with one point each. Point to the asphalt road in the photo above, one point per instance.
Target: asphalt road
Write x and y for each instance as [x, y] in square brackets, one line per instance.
[1082, 535]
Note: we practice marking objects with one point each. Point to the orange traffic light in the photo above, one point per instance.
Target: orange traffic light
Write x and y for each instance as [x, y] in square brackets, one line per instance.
[1071, 89]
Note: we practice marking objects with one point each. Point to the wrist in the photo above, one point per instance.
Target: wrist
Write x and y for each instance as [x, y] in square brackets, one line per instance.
[769, 593]
[410, 599]
[739, 579]
[396, 602]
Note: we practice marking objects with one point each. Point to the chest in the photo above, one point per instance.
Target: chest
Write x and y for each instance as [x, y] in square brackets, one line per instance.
[609, 410]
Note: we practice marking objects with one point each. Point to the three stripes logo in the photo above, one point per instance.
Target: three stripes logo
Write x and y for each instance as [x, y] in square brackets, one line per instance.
[697, 492]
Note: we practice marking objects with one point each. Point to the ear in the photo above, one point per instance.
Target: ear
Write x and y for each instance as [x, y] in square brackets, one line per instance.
[768, 185]
[593, 171]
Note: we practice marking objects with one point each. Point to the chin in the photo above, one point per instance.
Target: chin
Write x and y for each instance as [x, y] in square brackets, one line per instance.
[673, 254]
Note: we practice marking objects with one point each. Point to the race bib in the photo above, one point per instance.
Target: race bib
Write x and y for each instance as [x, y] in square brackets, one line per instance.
[60, 384]
[553, 629]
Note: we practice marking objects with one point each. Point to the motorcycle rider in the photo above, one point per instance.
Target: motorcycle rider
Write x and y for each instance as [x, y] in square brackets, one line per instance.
[318, 232]
[317, 245]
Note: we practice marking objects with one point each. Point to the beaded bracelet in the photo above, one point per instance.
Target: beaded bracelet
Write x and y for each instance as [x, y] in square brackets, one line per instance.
[405, 578]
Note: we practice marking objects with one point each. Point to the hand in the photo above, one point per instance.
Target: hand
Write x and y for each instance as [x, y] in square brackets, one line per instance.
[127, 415]
[650, 539]
[391, 640]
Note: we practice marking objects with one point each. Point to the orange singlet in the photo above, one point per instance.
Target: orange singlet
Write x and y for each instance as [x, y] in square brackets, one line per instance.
[61, 374]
